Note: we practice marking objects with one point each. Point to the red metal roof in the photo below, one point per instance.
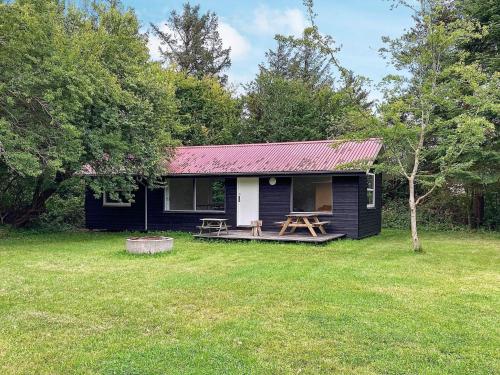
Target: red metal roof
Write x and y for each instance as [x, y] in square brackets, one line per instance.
[265, 158]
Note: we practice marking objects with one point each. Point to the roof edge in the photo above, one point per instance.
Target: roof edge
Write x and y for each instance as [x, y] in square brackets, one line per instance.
[281, 143]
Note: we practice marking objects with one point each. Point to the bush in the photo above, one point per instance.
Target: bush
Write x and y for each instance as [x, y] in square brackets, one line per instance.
[65, 209]
[449, 208]
[434, 214]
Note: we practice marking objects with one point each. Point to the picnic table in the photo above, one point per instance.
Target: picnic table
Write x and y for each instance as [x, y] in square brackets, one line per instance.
[209, 223]
[309, 220]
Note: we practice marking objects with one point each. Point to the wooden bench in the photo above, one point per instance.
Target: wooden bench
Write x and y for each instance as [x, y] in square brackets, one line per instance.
[317, 224]
[314, 224]
[307, 220]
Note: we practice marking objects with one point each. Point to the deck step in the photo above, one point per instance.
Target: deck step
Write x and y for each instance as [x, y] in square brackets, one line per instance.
[242, 235]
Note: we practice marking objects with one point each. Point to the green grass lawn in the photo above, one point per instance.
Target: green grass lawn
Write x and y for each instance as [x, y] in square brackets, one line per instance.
[77, 303]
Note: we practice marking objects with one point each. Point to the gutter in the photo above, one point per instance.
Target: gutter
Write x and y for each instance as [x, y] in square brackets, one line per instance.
[269, 174]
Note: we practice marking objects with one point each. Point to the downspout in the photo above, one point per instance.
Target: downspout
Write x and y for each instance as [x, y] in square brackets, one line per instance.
[145, 208]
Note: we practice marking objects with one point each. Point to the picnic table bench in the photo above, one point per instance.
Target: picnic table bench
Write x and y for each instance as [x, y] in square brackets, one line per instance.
[307, 220]
[216, 224]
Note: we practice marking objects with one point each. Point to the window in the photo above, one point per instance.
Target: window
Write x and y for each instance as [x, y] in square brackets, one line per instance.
[370, 190]
[194, 194]
[210, 194]
[179, 194]
[312, 194]
[120, 201]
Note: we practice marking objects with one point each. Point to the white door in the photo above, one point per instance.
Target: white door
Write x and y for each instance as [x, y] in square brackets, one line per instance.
[247, 200]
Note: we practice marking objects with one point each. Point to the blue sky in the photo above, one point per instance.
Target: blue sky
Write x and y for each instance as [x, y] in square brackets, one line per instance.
[249, 27]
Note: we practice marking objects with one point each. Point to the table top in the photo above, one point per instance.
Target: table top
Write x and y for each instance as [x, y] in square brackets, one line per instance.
[304, 214]
[212, 219]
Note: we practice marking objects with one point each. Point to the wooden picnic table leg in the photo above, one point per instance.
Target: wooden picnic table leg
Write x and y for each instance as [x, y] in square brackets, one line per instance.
[310, 227]
[220, 228]
[321, 228]
[285, 225]
[297, 221]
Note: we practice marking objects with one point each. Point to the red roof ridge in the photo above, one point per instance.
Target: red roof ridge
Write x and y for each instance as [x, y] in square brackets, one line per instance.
[280, 143]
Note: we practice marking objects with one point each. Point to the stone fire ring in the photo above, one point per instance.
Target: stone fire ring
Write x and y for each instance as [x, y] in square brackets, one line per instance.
[149, 245]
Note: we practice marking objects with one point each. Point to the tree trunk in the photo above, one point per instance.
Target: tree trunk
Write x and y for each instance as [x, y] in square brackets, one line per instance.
[478, 208]
[25, 215]
[468, 207]
[37, 207]
[413, 217]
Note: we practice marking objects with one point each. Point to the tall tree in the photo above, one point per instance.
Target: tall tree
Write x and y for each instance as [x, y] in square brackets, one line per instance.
[299, 58]
[421, 144]
[484, 177]
[191, 41]
[354, 86]
[278, 109]
[207, 112]
[76, 89]
[294, 96]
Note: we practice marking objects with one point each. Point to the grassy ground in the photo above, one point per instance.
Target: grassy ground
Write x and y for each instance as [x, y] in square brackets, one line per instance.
[77, 303]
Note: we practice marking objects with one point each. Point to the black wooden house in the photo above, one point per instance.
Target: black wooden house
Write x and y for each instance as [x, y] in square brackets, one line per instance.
[255, 181]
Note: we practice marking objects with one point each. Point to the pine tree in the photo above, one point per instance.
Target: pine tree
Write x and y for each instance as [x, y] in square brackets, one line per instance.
[192, 43]
[278, 60]
[299, 58]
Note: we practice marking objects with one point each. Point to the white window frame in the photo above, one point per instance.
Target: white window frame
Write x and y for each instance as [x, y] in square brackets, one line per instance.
[166, 199]
[105, 202]
[372, 176]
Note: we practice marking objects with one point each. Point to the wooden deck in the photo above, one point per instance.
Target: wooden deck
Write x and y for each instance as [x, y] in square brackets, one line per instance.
[246, 235]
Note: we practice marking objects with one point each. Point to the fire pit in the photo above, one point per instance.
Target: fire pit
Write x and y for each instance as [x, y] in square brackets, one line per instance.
[149, 245]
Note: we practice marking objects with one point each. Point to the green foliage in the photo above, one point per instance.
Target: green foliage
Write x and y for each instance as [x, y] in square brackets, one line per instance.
[492, 209]
[65, 208]
[77, 88]
[444, 211]
[207, 113]
[435, 116]
[192, 43]
[484, 50]
[63, 213]
[300, 59]
[438, 106]
[278, 109]
[293, 97]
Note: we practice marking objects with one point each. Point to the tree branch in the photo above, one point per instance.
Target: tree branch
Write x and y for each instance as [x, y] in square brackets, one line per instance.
[419, 199]
[403, 170]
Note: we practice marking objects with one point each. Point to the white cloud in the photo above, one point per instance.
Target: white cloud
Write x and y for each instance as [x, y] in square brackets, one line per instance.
[154, 42]
[154, 45]
[278, 21]
[240, 47]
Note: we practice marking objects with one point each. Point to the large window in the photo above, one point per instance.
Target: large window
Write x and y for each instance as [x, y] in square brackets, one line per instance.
[310, 194]
[195, 194]
[370, 190]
